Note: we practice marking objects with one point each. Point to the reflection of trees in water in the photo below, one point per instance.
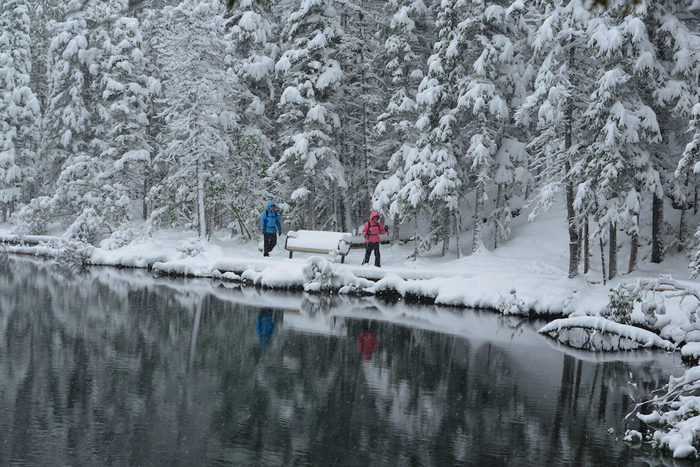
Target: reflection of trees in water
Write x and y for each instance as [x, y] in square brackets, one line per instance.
[99, 370]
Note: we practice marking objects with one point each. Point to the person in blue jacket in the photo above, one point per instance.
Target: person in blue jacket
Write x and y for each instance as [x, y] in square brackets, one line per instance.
[271, 227]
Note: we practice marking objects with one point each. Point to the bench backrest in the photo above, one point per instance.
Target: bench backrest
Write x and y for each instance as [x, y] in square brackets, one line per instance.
[319, 240]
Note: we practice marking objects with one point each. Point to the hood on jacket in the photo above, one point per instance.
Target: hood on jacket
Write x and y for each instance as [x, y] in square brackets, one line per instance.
[374, 213]
[270, 203]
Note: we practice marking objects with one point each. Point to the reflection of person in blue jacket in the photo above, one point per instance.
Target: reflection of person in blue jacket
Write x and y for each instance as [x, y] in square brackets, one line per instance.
[265, 326]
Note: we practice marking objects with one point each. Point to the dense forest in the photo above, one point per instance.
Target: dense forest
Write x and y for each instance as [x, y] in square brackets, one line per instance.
[451, 114]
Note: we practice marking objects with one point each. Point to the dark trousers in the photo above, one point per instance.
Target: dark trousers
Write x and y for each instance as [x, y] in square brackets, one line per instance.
[269, 242]
[369, 247]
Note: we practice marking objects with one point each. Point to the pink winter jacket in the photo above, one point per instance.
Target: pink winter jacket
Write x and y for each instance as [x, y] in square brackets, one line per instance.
[372, 230]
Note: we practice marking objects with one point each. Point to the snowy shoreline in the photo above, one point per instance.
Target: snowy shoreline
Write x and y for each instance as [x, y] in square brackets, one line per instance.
[526, 281]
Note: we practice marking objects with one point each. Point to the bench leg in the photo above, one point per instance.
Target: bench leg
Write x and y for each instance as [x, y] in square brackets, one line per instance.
[290, 254]
[342, 258]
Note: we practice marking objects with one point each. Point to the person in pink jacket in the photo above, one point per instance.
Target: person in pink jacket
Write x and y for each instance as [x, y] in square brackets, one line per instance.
[371, 231]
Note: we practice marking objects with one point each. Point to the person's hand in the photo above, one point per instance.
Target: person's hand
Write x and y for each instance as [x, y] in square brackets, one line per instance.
[279, 234]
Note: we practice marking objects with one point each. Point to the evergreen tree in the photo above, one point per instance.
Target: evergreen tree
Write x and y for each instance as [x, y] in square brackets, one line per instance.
[441, 143]
[310, 76]
[66, 129]
[251, 57]
[491, 88]
[19, 107]
[199, 96]
[406, 51]
[127, 92]
[358, 105]
[558, 98]
[623, 124]
[679, 95]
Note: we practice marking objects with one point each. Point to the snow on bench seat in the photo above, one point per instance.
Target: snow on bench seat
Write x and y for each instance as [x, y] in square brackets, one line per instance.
[316, 241]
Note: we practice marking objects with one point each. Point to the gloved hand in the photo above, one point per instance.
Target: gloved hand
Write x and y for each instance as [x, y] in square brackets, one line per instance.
[279, 234]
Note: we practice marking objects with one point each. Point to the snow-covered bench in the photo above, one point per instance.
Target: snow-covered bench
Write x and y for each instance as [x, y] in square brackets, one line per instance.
[316, 241]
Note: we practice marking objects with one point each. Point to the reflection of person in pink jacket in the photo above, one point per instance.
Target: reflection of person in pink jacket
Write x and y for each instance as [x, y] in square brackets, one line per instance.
[371, 231]
[367, 344]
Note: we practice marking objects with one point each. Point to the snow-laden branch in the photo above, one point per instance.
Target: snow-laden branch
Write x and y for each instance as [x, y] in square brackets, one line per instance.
[677, 415]
[668, 288]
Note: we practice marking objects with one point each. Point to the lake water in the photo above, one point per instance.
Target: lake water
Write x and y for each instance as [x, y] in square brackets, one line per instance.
[118, 367]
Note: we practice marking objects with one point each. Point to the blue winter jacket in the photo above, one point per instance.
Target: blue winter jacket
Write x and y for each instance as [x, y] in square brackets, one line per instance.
[270, 220]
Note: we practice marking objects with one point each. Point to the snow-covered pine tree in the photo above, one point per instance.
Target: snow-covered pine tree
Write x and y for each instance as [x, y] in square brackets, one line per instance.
[679, 39]
[690, 163]
[66, 131]
[406, 51]
[557, 100]
[126, 102]
[493, 84]
[623, 124]
[251, 57]
[199, 96]
[310, 75]
[434, 165]
[359, 49]
[19, 107]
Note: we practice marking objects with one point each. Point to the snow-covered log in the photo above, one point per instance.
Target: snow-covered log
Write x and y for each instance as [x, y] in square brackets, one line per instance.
[597, 333]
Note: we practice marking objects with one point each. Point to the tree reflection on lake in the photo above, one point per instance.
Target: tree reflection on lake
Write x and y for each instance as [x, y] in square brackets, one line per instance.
[110, 367]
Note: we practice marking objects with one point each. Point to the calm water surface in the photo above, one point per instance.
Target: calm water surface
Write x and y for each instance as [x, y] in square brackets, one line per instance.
[110, 367]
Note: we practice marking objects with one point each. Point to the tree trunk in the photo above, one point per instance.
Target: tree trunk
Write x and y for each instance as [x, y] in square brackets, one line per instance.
[573, 233]
[456, 216]
[612, 250]
[499, 203]
[415, 236]
[478, 215]
[579, 245]
[244, 229]
[145, 195]
[395, 229]
[570, 211]
[445, 230]
[602, 260]
[682, 223]
[586, 248]
[310, 208]
[657, 220]
[200, 202]
[634, 248]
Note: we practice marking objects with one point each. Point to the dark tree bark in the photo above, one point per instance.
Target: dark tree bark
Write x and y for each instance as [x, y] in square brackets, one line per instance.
[602, 260]
[145, 195]
[634, 247]
[570, 211]
[612, 251]
[586, 248]
[445, 230]
[657, 221]
[395, 229]
[478, 215]
[573, 234]
[683, 222]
